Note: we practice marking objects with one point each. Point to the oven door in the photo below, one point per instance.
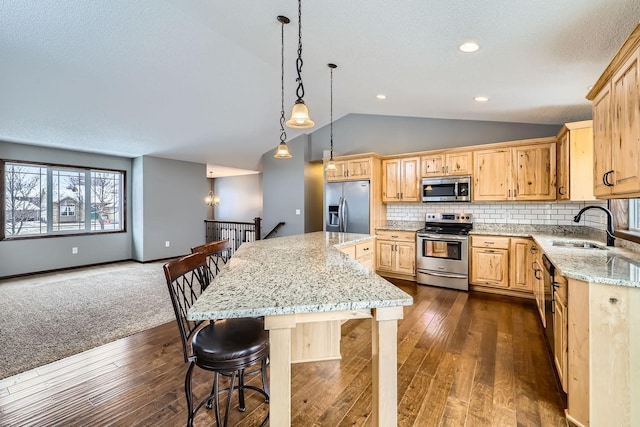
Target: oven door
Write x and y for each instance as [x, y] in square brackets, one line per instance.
[443, 253]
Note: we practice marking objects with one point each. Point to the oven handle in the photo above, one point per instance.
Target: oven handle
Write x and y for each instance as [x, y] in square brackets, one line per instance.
[450, 275]
[444, 237]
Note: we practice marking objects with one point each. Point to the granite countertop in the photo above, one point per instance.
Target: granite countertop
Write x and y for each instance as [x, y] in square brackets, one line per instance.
[402, 225]
[295, 274]
[610, 265]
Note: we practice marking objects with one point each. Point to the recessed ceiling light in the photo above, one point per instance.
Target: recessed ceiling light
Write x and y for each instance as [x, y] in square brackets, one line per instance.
[481, 99]
[468, 47]
[381, 96]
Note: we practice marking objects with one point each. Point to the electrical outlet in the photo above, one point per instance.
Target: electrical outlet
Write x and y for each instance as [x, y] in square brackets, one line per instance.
[167, 244]
[297, 211]
[74, 250]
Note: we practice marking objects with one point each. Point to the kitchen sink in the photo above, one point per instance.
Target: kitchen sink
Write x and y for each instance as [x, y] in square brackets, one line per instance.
[575, 244]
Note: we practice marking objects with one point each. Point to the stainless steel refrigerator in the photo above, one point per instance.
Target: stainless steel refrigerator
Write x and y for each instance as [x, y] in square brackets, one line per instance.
[347, 206]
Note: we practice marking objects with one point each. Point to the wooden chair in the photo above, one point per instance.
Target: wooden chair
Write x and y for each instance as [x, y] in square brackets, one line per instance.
[227, 346]
[217, 252]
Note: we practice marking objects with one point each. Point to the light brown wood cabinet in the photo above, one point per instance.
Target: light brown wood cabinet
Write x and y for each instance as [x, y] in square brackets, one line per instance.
[490, 261]
[560, 346]
[457, 163]
[503, 262]
[522, 253]
[363, 252]
[616, 123]
[574, 154]
[603, 381]
[350, 170]
[401, 180]
[396, 253]
[538, 285]
[522, 172]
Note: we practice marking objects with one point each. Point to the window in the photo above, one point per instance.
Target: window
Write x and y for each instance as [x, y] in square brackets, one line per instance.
[43, 200]
[634, 215]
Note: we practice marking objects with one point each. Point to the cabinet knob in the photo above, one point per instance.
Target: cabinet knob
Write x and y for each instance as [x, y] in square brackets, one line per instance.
[561, 190]
[613, 300]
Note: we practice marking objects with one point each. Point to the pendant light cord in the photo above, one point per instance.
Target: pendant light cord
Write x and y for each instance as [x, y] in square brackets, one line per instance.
[300, 89]
[283, 134]
[331, 114]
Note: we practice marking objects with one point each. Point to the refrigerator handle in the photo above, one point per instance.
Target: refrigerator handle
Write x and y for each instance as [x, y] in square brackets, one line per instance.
[345, 214]
[340, 221]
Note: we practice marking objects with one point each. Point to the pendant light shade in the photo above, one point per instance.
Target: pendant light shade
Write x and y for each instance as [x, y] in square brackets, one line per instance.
[282, 152]
[331, 164]
[300, 113]
[300, 116]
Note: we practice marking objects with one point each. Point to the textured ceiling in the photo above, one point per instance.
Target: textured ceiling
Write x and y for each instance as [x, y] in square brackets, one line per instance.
[200, 80]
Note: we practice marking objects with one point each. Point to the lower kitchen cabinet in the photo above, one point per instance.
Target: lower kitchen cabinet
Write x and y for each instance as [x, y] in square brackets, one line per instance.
[396, 253]
[502, 263]
[603, 381]
[363, 252]
[560, 347]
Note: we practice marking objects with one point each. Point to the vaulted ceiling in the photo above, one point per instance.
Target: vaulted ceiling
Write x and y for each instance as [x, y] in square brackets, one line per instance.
[199, 80]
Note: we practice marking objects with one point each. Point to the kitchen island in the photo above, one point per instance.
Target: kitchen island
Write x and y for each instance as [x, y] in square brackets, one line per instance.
[305, 278]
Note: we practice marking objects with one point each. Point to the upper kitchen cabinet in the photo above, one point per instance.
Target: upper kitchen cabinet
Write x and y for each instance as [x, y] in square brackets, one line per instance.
[353, 169]
[524, 171]
[401, 180]
[574, 154]
[457, 163]
[616, 123]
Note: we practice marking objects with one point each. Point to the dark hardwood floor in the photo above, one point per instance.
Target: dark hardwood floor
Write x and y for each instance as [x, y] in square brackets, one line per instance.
[463, 359]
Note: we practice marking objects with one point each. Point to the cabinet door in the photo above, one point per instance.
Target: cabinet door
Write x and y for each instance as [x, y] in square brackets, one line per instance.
[432, 165]
[359, 169]
[385, 251]
[538, 288]
[340, 172]
[490, 267]
[563, 171]
[520, 268]
[560, 341]
[410, 180]
[492, 174]
[406, 258]
[626, 127]
[391, 180]
[602, 141]
[459, 164]
[534, 172]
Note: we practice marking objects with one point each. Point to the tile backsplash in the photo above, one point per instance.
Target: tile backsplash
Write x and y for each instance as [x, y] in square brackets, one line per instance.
[542, 213]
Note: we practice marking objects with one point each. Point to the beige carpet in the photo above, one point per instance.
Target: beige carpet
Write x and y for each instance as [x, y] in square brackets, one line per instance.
[47, 317]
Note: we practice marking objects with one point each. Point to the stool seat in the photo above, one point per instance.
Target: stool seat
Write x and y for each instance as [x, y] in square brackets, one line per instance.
[231, 344]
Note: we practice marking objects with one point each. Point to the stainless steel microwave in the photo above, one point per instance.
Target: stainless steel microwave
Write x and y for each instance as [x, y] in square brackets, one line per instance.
[447, 189]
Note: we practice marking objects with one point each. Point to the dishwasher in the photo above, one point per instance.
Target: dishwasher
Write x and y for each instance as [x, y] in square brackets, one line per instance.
[549, 287]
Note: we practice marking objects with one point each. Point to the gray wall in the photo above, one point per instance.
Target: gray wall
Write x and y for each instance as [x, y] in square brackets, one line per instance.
[362, 133]
[283, 188]
[173, 208]
[41, 254]
[240, 198]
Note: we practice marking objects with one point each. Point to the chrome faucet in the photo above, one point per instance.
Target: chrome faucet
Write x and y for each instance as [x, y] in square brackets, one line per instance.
[610, 237]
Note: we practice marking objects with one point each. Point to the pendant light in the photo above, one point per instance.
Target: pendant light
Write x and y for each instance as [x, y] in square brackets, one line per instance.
[282, 152]
[300, 113]
[331, 165]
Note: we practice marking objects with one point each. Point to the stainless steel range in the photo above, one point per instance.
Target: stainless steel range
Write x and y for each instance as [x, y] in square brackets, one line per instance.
[442, 251]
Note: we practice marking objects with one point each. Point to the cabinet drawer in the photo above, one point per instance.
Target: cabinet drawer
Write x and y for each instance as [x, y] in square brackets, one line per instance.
[349, 250]
[364, 249]
[400, 236]
[493, 242]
